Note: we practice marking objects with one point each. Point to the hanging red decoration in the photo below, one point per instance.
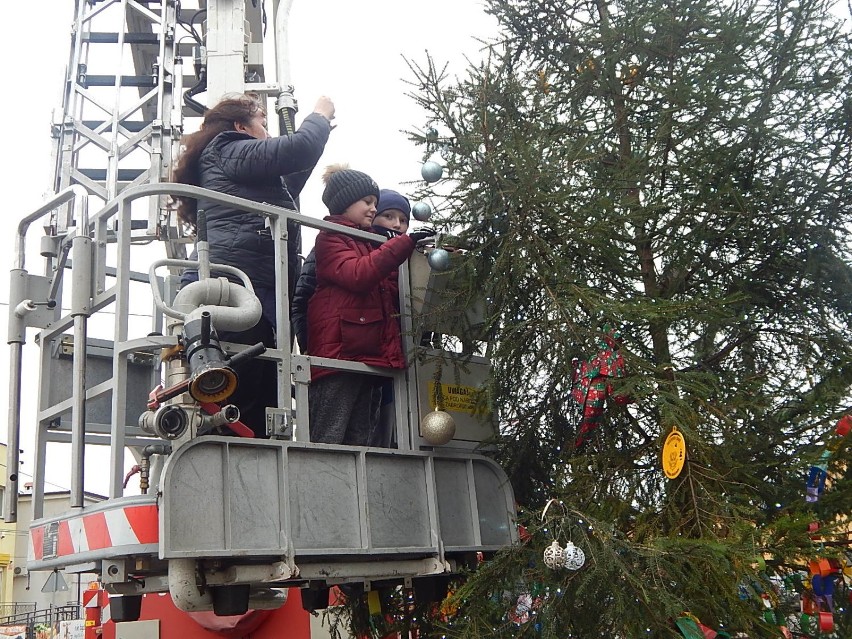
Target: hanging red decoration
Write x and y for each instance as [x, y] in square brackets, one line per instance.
[593, 385]
[844, 425]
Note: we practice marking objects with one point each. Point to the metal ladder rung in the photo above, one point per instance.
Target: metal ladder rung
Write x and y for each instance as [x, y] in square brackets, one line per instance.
[124, 175]
[134, 126]
[126, 81]
[105, 37]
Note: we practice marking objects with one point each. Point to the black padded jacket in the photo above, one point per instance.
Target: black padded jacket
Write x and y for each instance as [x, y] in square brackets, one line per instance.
[305, 288]
[273, 171]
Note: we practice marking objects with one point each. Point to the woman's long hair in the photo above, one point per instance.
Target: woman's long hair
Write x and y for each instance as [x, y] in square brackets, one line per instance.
[240, 108]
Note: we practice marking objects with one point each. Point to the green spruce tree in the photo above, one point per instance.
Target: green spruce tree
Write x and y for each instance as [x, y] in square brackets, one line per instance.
[679, 171]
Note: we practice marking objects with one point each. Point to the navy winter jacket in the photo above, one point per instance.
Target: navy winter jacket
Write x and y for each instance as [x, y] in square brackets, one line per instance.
[273, 171]
[305, 287]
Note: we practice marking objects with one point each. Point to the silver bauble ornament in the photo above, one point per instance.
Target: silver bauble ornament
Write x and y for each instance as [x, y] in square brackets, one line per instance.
[431, 134]
[431, 171]
[554, 556]
[439, 260]
[437, 427]
[574, 557]
[421, 211]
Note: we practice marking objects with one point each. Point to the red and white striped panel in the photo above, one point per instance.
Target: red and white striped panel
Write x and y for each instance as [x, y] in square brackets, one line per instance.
[126, 526]
[105, 613]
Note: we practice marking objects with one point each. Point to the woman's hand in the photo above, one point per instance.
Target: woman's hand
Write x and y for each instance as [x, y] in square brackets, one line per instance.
[325, 107]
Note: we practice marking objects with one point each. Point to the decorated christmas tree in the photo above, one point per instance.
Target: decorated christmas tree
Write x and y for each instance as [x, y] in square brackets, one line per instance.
[653, 198]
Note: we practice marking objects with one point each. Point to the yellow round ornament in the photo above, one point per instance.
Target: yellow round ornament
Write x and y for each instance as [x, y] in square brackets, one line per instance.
[674, 453]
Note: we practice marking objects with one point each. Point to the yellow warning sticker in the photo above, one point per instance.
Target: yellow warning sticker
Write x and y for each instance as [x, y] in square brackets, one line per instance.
[460, 399]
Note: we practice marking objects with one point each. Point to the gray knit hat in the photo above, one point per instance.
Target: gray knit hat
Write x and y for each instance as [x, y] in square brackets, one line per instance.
[345, 186]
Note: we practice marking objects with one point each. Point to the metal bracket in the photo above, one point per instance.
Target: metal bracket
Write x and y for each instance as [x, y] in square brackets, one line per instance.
[29, 301]
[279, 423]
[113, 571]
[301, 369]
[262, 88]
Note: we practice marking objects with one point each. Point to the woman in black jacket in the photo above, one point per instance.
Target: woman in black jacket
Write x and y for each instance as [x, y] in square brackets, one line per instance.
[233, 153]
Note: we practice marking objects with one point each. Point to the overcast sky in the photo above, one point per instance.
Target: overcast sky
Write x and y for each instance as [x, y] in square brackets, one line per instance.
[350, 51]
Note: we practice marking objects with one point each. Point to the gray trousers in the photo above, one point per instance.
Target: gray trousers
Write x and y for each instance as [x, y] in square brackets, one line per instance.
[344, 408]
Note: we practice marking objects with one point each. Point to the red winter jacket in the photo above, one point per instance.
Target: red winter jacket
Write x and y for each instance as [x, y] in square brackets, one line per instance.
[353, 313]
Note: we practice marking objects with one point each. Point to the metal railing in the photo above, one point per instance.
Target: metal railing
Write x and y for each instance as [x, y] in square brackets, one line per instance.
[50, 616]
[15, 609]
[90, 293]
[18, 312]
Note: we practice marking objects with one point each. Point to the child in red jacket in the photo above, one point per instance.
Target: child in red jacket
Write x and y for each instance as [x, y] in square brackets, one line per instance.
[353, 313]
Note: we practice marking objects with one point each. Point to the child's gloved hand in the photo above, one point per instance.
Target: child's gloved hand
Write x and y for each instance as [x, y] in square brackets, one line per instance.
[422, 234]
[384, 231]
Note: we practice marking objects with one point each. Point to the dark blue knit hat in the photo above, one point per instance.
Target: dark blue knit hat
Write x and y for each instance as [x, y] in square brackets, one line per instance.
[389, 199]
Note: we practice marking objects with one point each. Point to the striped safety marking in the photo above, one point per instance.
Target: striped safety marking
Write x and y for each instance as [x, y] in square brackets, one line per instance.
[105, 613]
[128, 526]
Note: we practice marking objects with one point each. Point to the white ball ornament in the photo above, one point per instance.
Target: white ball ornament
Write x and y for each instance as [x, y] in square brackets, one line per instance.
[437, 427]
[574, 557]
[554, 556]
[439, 260]
[421, 211]
[431, 171]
